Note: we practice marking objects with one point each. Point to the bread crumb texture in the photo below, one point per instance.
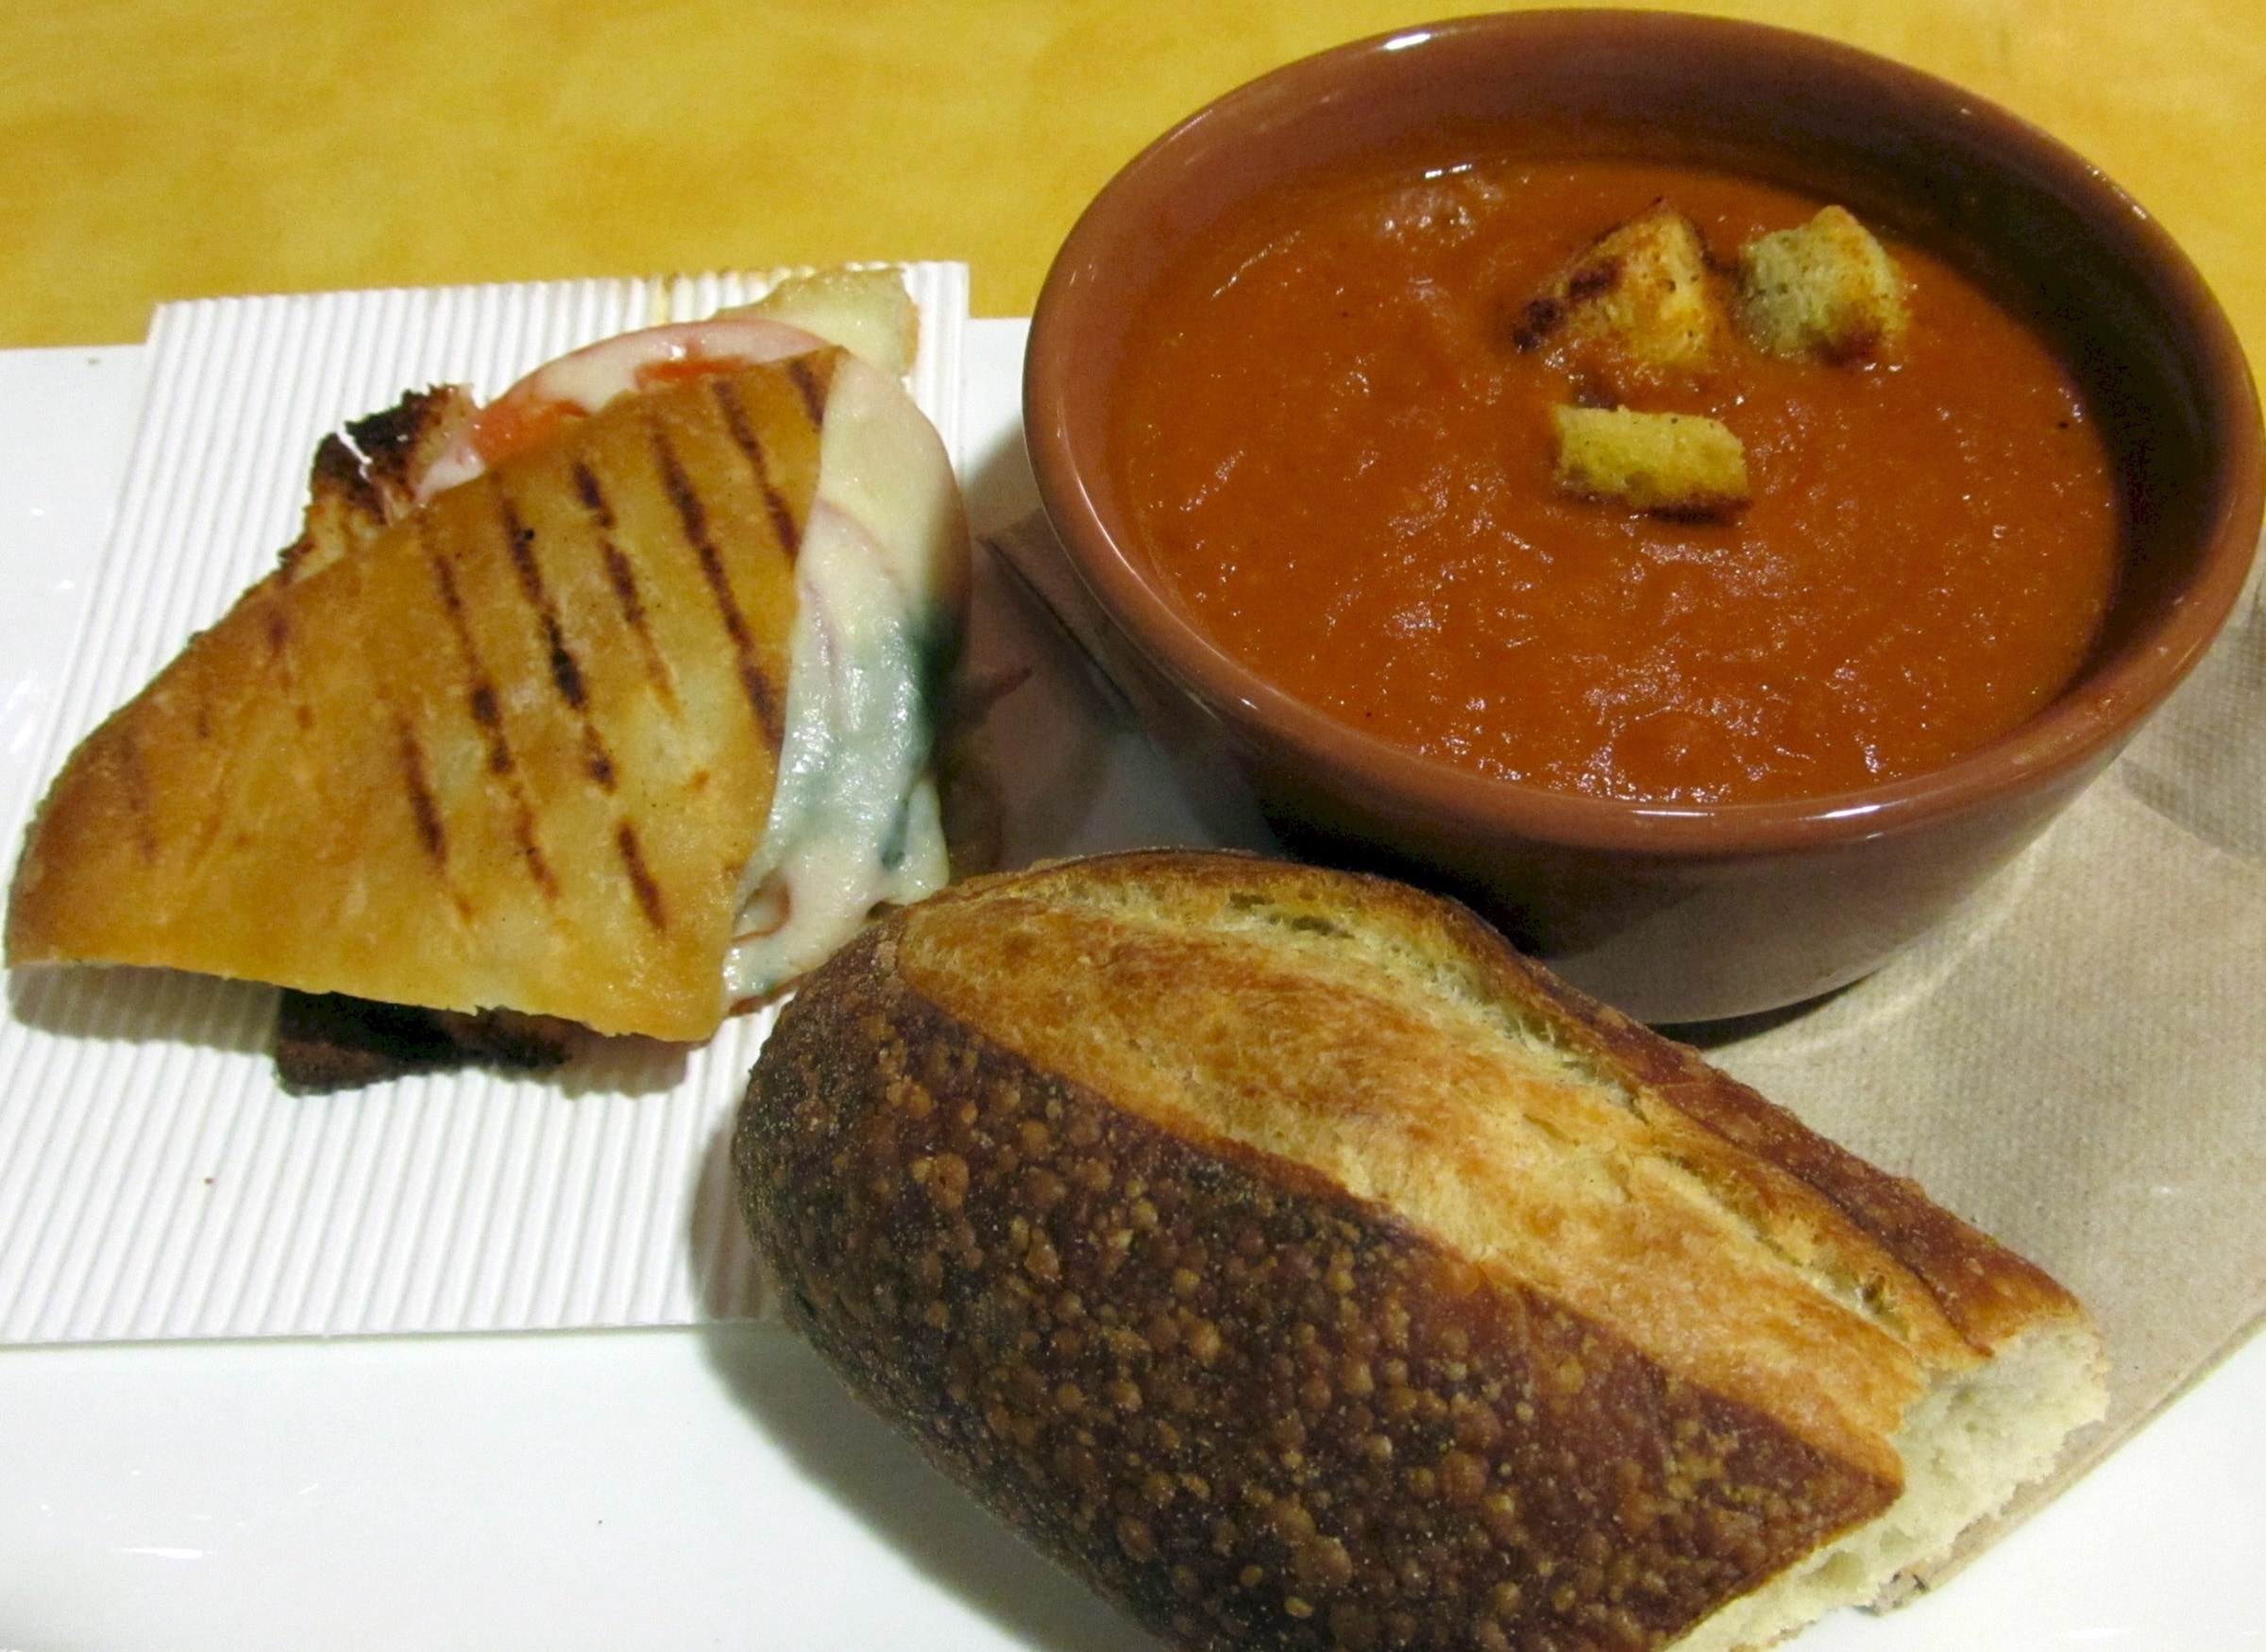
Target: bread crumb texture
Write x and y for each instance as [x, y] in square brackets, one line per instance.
[1682, 465]
[1282, 1254]
[1827, 290]
[1634, 307]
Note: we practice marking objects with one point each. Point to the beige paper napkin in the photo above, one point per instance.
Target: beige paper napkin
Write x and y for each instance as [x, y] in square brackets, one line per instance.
[2076, 1062]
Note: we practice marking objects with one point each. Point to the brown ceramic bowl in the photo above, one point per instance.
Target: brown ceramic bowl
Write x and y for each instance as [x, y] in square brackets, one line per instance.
[1676, 913]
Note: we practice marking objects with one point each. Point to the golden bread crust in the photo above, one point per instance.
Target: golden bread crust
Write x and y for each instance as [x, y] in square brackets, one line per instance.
[1303, 1267]
[510, 750]
[1635, 309]
[356, 490]
[1676, 465]
[1251, 1409]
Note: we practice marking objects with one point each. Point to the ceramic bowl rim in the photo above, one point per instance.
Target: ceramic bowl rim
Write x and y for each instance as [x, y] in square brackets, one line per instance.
[2083, 723]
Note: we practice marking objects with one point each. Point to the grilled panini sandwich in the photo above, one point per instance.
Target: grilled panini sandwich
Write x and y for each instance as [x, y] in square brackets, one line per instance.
[607, 704]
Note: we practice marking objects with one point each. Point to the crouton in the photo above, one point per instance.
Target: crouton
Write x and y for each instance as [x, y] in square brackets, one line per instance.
[1674, 465]
[1827, 291]
[1636, 304]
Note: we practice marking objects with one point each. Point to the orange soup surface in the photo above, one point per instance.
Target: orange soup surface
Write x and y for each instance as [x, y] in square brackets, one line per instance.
[1342, 463]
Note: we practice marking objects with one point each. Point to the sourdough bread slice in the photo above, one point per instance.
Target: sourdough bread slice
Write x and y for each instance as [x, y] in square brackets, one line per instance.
[1301, 1266]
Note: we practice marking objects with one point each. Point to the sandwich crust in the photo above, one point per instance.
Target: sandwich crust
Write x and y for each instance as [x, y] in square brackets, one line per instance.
[1302, 1267]
[514, 748]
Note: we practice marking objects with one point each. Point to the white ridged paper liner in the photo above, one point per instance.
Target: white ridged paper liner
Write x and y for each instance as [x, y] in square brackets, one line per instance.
[154, 1182]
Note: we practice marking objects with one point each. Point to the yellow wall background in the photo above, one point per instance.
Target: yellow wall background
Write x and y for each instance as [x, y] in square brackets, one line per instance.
[156, 149]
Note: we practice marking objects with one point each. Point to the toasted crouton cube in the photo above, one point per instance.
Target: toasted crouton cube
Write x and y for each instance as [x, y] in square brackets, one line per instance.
[1676, 464]
[1827, 290]
[1638, 300]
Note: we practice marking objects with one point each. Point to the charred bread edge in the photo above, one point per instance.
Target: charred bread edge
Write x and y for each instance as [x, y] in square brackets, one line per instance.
[898, 1045]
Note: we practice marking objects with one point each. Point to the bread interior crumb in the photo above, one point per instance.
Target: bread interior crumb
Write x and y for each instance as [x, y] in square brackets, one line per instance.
[1966, 1444]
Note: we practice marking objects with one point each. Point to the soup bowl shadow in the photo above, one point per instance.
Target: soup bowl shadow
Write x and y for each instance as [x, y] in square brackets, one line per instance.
[1675, 913]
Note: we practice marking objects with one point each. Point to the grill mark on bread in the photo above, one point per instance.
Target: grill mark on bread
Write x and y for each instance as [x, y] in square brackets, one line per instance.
[692, 516]
[479, 696]
[621, 578]
[523, 832]
[641, 877]
[133, 779]
[423, 808]
[743, 435]
[566, 671]
[811, 385]
[282, 662]
[486, 711]
[587, 488]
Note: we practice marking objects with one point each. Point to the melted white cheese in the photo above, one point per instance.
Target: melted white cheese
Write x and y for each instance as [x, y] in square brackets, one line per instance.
[588, 379]
[879, 584]
[881, 580]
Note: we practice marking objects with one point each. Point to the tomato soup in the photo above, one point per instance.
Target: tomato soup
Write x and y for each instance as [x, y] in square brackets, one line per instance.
[1341, 462]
